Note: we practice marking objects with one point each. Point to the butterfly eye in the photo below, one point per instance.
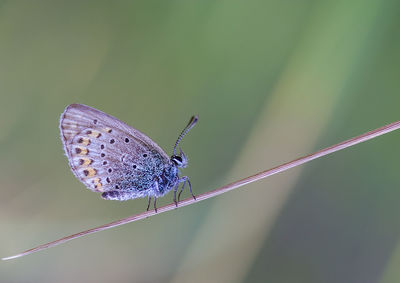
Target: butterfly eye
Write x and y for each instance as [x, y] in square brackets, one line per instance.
[177, 160]
[112, 141]
[126, 140]
[145, 155]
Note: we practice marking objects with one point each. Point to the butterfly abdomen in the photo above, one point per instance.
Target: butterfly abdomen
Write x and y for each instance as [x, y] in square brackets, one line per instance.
[118, 195]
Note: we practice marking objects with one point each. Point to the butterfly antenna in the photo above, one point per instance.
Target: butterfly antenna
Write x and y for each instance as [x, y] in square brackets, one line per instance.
[190, 125]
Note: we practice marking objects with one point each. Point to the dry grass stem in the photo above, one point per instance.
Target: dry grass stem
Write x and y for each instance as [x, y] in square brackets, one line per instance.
[221, 190]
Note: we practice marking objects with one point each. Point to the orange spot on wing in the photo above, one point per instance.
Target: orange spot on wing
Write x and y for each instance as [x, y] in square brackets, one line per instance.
[85, 161]
[89, 172]
[95, 134]
[81, 150]
[84, 141]
[97, 185]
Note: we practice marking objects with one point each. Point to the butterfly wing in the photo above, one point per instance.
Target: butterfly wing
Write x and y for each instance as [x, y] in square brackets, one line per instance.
[100, 148]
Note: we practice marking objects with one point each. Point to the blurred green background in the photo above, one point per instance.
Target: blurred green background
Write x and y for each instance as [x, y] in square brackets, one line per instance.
[270, 80]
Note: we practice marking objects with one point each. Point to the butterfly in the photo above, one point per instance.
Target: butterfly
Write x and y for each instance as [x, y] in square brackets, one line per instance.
[120, 162]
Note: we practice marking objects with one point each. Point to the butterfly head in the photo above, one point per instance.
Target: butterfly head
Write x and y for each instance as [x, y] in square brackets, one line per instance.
[179, 160]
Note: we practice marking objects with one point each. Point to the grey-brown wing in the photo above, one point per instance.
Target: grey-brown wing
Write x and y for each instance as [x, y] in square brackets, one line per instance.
[97, 144]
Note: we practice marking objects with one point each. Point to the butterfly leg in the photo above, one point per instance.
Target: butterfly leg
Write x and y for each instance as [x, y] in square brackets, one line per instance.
[155, 198]
[148, 204]
[190, 189]
[182, 188]
[184, 180]
[175, 190]
[155, 204]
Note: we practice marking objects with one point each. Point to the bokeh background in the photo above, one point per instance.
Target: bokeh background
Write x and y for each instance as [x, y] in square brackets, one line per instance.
[270, 80]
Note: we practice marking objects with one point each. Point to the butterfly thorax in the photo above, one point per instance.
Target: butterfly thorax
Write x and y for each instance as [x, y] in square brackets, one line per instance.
[150, 176]
[168, 179]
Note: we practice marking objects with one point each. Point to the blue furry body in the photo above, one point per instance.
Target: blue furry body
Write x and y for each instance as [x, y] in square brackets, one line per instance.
[152, 176]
